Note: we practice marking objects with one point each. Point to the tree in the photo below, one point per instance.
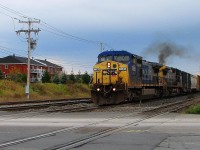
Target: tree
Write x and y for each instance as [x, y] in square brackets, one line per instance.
[1, 74]
[21, 77]
[16, 75]
[56, 79]
[86, 78]
[63, 79]
[72, 77]
[79, 77]
[46, 77]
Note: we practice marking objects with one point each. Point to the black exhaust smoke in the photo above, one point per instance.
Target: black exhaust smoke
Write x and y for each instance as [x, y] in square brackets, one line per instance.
[164, 50]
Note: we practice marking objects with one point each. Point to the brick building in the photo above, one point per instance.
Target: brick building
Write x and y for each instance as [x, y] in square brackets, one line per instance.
[18, 64]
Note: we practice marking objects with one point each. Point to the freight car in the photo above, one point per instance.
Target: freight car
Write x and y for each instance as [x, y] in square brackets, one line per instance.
[122, 76]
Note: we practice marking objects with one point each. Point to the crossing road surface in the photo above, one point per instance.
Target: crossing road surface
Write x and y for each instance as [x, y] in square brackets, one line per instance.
[98, 130]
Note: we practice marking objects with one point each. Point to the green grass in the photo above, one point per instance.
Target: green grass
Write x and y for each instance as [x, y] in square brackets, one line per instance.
[14, 91]
[193, 109]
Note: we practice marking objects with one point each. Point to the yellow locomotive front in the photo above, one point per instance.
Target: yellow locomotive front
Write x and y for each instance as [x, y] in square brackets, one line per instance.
[110, 78]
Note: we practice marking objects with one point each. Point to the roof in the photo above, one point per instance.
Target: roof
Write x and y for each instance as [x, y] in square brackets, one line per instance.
[18, 60]
[114, 53]
[23, 60]
[48, 63]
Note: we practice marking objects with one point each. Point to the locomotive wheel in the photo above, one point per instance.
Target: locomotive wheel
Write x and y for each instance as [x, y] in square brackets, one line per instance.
[113, 98]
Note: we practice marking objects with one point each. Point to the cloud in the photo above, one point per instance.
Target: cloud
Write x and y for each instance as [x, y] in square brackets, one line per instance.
[111, 14]
[127, 24]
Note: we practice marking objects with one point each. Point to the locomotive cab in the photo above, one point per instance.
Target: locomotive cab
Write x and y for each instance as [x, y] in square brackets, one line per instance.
[111, 77]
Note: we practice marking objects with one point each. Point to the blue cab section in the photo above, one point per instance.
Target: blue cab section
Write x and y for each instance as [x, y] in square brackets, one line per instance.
[114, 53]
[144, 72]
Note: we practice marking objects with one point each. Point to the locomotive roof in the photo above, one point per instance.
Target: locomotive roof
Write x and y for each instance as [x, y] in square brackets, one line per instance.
[113, 53]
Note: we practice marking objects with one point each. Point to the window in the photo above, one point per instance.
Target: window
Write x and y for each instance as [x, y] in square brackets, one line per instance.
[105, 58]
[134, 60]
[6, 66]
[122, 58]
[6, 75]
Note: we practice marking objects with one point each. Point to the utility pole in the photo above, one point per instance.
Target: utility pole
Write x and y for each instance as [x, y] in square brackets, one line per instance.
[101, 47]
[30, 45]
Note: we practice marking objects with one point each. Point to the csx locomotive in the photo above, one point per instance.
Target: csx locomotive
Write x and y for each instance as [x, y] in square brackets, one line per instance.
[122, 76]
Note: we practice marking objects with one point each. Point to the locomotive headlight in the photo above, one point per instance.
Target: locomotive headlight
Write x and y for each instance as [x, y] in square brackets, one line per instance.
[122, 69]
[108, 64]
[98, 89]
[96, 69]
[114, 89]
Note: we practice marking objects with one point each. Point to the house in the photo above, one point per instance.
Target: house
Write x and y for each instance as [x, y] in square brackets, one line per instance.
[51, 68]
[16, 64]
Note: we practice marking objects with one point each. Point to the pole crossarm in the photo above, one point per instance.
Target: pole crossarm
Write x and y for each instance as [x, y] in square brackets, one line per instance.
[26, 31]
[29, 21]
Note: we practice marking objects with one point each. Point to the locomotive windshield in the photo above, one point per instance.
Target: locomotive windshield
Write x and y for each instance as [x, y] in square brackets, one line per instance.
[105, 58]
[122, 58]
[118, 58]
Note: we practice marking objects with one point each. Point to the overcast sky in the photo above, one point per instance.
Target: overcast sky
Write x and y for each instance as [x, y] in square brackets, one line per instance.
[132, 25]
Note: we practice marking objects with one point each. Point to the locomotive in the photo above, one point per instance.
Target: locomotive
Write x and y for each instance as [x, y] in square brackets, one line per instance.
[121, 76]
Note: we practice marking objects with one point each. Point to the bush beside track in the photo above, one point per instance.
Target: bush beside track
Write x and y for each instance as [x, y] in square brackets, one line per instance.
[11, 91]
[195, 109]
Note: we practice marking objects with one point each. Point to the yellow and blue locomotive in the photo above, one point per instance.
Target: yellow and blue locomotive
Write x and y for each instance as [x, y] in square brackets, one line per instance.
[122, 76]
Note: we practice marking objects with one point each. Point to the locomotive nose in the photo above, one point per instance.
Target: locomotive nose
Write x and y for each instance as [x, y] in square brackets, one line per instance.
[110, 73]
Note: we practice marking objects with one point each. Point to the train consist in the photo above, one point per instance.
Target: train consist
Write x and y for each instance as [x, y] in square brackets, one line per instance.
[121, 76]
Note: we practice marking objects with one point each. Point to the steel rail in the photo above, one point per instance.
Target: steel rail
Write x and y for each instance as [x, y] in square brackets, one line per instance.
[145, 115]
[42, 104]
[74, 109]
[39, 101]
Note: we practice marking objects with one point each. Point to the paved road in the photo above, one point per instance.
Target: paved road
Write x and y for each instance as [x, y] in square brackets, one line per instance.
[46, 130]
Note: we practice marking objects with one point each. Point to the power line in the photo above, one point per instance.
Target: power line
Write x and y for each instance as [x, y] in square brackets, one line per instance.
[47, 25]
[13, 11]
[52, 30]
[67, 34]
[9, 50]
[57, 31]
[66, 63]
[7, 15]
[3, 51]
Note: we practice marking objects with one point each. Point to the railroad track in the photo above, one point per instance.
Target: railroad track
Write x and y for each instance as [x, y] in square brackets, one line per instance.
[175, 106]
[18, 106]
[74, 109]
[142, 116]
[145, 116]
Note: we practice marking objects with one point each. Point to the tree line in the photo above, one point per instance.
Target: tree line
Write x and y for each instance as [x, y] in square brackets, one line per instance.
[46, 78]
[65, 78]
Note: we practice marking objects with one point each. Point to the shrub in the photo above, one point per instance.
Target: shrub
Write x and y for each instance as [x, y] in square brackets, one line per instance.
[1, 75]
[46, 77]
[56, 79]
[14, 91]
[72, 77]
[86, 78]
[63, 79]
[193, 109]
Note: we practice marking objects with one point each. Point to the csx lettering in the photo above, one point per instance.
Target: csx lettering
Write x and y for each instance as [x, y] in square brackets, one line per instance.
[109, 72]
